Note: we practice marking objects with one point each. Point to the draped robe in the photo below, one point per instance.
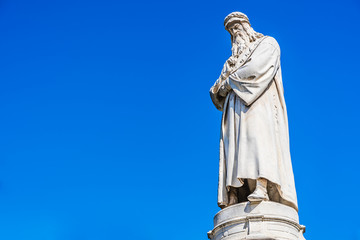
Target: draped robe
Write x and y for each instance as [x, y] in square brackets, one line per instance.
[254, 141]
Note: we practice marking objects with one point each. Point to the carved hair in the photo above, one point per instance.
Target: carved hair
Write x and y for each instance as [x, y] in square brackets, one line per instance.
[251, 32]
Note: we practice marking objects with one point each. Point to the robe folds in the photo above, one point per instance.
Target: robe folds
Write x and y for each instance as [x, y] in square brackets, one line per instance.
[254, 139]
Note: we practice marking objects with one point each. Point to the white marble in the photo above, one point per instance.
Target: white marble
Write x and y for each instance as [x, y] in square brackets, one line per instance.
[262, 221]
[255, 162]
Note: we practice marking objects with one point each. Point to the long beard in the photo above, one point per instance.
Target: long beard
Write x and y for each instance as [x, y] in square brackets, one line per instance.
[239, 45]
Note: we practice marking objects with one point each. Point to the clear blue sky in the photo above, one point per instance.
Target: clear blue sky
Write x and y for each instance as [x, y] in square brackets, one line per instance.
[108, 131]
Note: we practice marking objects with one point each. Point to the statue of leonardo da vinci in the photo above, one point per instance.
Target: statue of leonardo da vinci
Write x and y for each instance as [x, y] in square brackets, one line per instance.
[255, 163]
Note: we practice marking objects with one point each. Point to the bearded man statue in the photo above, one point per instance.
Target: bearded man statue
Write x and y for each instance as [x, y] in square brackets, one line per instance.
[255, 163]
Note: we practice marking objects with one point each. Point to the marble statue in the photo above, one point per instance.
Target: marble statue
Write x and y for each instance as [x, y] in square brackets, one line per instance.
[255, 163]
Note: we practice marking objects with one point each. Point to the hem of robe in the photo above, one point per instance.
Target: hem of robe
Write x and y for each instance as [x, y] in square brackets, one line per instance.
[284, 200]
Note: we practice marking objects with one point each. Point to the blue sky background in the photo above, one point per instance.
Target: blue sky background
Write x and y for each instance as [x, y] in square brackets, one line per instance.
[108, 131]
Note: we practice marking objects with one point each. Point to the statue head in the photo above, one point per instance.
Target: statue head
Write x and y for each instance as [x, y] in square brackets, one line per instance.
[238, 25]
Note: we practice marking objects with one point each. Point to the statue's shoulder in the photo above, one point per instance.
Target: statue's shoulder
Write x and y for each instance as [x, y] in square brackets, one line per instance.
[267, 40]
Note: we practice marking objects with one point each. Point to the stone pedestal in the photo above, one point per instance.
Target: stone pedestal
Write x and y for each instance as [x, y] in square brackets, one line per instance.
[261, 221]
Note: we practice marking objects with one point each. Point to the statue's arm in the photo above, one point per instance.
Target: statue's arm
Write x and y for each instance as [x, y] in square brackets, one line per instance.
[221, 88]
[218, 94]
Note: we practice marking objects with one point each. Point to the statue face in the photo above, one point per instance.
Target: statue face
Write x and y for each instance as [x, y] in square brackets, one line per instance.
[236, 29]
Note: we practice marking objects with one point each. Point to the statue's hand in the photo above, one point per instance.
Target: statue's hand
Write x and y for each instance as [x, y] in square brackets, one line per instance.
[231, 61]
[228, 66]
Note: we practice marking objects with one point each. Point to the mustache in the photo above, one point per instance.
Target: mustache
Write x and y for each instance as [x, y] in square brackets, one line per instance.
[239, 38]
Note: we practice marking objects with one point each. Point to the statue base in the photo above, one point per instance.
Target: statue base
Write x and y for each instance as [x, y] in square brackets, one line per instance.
[264, 220]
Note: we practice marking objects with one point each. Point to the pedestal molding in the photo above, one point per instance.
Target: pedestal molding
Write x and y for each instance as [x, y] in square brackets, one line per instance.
[265, 220]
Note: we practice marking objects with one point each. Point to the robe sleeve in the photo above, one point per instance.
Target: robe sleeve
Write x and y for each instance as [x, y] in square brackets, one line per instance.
[218, 93]
[254, 77]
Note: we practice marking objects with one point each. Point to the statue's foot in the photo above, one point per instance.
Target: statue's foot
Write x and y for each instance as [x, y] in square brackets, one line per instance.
[258, 195]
